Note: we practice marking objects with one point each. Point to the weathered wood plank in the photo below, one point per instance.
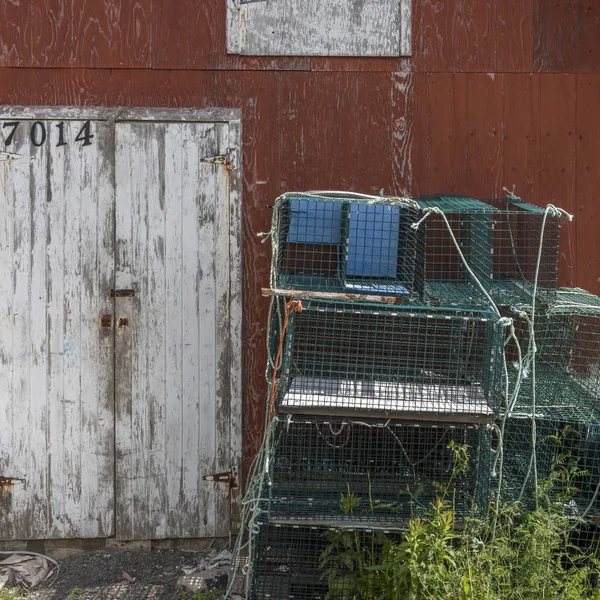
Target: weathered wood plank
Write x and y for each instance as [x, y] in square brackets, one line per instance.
[522, 135]
[588, 182]
[476, 34]
[222, 320]
[558, 120]
[15, 34]
[421, 135]
[485, 127]
[176, 166]
[37, 427]
[436, 43]
[514, 36]
[179, 427]
[132, 34]
[125, 197]
[448, 133]
[261, 158]
[96, 205]
[94, 24]
[334, 28]
[565, 36]
[402, 139]
[236, 372]
[52, 32]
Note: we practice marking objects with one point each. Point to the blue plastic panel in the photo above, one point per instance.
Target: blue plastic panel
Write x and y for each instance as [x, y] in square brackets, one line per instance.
[373, 240]
[315, 221]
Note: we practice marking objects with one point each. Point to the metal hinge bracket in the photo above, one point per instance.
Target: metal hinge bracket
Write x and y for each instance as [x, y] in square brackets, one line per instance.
[228, 477]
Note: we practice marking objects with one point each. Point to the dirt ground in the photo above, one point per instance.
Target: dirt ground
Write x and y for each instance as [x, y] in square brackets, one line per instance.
[126, 575]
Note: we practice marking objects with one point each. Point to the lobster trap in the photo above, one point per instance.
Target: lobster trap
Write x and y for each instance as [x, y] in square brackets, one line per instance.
[365, 359]
[406, 248]
[314, 563]
[566, 461]
[500, 240]
[342, 471]
[347, 243]
[566, 386]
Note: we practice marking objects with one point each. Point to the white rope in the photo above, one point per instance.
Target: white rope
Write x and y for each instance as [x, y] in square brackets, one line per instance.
[438, 211]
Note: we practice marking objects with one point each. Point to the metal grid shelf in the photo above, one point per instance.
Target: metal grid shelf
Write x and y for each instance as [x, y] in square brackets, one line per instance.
[390, 470]
[402, 362]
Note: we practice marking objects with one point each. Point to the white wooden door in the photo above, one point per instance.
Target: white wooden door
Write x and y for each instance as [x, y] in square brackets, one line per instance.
[56, 359]
[114, 407]
[177, 375]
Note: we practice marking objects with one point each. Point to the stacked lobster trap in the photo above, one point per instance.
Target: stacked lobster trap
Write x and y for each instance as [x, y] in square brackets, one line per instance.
[387, 364]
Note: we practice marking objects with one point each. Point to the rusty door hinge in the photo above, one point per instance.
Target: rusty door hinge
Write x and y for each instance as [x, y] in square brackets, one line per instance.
[121, 293]
[228, 477]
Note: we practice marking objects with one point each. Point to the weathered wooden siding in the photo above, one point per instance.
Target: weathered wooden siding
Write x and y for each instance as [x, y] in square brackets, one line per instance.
[495, 93]
[56, 268]
[173, 401]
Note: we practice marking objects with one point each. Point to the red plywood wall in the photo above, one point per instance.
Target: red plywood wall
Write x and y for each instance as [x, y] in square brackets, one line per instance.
[495, 94]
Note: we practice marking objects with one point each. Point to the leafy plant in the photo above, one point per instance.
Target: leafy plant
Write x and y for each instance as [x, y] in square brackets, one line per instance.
[514, 554]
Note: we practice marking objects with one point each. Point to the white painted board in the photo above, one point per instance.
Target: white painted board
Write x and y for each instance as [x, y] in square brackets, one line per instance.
[178, 417]
[56, 378]
[319, 28]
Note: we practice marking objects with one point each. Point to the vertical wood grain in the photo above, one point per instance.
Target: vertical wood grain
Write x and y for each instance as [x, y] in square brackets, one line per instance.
[177, 422]
[15, 34]
[448, 133]
[421, 135]
[558, 161]
[374, 155]
[485, 135]
[476, 33]
[402, 138]
[513, 28]
[132, 34]
[52, 32]
[565, 36]
[94, 24]
[522, 136]
[436, 38]
[261, 158]
[587, 217]
[61, 425]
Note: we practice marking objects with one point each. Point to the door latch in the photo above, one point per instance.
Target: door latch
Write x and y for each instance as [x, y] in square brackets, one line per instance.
[122, 293]
[228, 477]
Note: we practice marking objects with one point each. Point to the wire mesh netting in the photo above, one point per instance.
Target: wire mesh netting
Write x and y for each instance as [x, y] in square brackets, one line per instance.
[305, 563]
[567, 463]
[341, 358]
[345, 471]
[499, 239]
[567, 361]
[347, 243]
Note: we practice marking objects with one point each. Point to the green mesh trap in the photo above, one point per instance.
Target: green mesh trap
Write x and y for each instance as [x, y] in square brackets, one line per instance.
[347, 243]
[363, 359]
[289, 562]
[567, 461]
[500, 241]
[332, 242]
[346, 471]
[567, 363]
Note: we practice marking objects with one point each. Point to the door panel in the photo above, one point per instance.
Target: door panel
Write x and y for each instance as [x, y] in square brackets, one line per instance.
[56, 371]
[173, 400]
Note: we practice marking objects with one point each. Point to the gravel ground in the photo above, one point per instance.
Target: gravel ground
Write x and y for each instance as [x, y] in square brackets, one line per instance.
[106, 575]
